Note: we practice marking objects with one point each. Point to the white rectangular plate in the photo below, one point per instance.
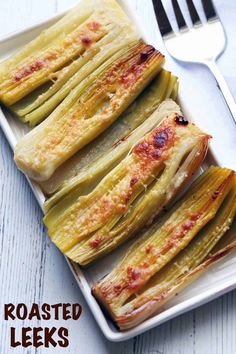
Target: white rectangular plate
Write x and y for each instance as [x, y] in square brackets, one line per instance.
[212, 284]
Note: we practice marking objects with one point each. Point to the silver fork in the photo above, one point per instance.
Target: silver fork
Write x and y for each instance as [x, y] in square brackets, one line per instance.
[203, 43]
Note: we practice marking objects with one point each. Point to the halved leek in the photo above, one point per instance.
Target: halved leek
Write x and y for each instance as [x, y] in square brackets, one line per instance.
[34, 108]
[101, 152]
[79, 119]
[92, 174]
[167, 257]
[47, 57]
[130, 195]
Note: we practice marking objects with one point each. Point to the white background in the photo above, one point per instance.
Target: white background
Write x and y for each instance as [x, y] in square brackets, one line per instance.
[33, 270]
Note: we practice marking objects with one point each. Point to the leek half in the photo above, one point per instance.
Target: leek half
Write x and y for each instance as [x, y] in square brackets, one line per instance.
[79, 119]
[167, 257]
[129, 197]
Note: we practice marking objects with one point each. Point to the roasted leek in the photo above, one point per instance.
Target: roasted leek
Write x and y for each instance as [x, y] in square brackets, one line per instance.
[76, 122]
[101, 153]
[130, 195]
[93, 173]
[172, 252]
[37, 106]
[70, 48]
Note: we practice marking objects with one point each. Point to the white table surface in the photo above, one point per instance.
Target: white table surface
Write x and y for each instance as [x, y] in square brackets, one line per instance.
[33, 270]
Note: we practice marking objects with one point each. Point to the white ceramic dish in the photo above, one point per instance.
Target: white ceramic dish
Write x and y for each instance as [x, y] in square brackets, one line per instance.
[212, 284]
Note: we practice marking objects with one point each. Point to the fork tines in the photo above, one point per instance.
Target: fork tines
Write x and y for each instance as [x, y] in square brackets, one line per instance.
[209, 9]
[193, 12]
[164, 23]
[162, 19]
[178, 14]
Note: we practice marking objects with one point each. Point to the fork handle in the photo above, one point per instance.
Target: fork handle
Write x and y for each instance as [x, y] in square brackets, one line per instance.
[229, 99]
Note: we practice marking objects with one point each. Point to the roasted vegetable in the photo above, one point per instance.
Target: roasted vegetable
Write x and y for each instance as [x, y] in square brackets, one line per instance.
[61, 52]
[93, 173]
[35, 107]
[130, 195]
[101, 152]
[76, 122]
[172, 252]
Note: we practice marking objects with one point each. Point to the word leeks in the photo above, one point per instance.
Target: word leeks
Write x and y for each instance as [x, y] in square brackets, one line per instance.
[173, 252]
[132, 194]
[82, 116]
